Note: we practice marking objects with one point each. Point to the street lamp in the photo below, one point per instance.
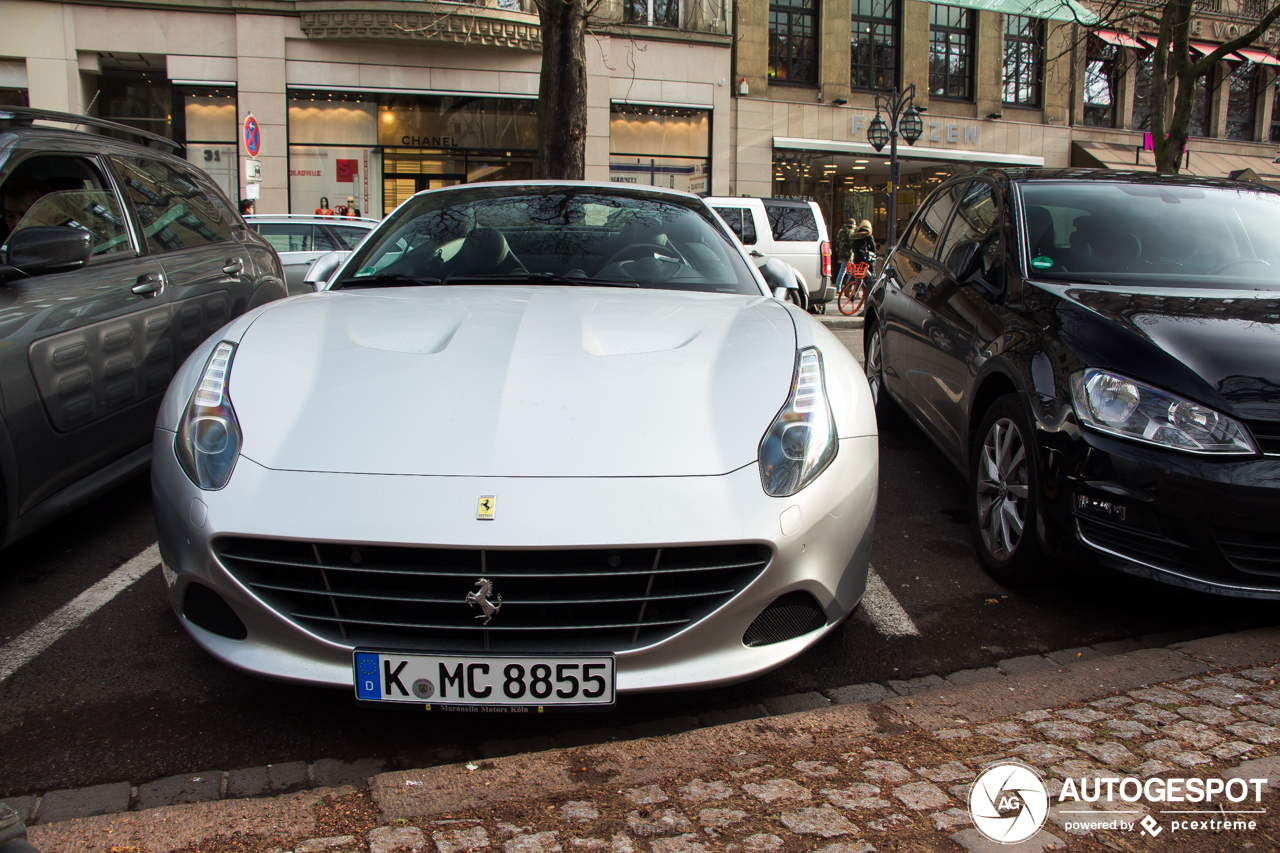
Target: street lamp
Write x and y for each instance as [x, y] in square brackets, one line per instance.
[904, 121]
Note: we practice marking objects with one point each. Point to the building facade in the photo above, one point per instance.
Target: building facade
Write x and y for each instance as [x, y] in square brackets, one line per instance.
[374, 100]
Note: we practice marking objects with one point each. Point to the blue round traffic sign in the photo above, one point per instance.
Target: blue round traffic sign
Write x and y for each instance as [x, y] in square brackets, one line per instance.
[252, 136]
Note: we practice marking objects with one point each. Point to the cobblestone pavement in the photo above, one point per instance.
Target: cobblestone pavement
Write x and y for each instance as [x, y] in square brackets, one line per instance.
[887, 776]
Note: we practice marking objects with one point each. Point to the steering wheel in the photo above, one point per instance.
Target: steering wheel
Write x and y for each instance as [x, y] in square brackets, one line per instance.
[635, 250]
[1235, 261]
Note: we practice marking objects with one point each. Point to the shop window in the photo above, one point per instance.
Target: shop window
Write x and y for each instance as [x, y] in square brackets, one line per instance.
[138, 99]
[1200, 109]
[951, 52]
[660, 146]
[873, 44]
[652, 13]
[1100, 83]
[1242, 99]
[793, 41]
[1275, 112]
[1142, 93]
[175, 211]
[13, 97]
[208, 126]
[1023, 60]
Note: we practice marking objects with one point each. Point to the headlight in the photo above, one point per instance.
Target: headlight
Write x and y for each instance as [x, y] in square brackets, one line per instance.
[1115, 404]
[208, 440]
[802, 440]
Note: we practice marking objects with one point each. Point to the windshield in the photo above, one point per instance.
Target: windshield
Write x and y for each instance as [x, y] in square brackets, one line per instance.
[1180, 236]
[557, 235]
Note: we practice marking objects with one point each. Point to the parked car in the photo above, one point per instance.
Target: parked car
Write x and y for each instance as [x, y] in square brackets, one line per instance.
[793, 231]
[299, 239]
[116, 262]
[601, 460]
[1097, 352]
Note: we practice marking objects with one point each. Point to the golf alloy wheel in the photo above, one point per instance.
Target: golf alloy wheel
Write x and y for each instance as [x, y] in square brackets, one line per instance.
[1003, 489]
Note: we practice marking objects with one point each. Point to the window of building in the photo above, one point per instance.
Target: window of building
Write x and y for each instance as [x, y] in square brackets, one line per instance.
[1242, 99]
[1023, 52]
[951, 52]
[138, 99]
[660, 146]
[873, 44]
[793, 41]
[1200, 109]
[1275, 112]
[208, 125]
[1142, 93]
[1101, 63]
[652, 13]
[14, 97]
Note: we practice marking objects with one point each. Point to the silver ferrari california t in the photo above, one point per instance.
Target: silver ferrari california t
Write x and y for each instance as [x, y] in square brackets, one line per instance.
[531, 446]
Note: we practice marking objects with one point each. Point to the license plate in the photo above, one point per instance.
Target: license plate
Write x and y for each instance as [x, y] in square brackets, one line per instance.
[525, 682]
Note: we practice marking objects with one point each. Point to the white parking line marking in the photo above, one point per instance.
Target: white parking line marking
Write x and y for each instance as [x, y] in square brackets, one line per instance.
[884, 611]
[35, 640]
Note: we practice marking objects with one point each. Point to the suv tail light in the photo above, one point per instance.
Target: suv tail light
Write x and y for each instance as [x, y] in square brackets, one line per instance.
[826, 258]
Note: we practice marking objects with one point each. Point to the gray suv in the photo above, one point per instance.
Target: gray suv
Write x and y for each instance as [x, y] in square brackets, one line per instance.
[116, 261]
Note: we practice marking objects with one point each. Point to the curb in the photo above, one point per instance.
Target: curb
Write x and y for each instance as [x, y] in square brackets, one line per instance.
[943, 712]
[838, 321]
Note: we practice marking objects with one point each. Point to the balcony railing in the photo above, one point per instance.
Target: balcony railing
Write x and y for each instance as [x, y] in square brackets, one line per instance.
[694, 16]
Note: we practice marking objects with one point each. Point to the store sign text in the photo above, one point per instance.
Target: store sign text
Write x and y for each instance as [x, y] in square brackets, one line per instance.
[937, 131]
[429, 141]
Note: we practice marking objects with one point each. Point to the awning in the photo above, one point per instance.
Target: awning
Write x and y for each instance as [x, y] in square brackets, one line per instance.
[1119, 39]
[1203, 164]
[1054, 10]
[1259, 56]
[909, 152]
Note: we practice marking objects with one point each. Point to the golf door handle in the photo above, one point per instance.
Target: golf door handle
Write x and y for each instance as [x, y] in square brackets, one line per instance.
[148, 285]
[234, 266]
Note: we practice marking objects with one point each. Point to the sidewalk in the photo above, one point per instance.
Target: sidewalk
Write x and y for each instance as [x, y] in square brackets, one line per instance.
[887, 775]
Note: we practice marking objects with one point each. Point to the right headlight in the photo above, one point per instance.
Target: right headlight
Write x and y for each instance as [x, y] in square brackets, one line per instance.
[802, 440]
[1115, 404]
[208, 439]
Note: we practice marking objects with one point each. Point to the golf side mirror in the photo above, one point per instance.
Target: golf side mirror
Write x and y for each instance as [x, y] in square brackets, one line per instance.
[36, 250]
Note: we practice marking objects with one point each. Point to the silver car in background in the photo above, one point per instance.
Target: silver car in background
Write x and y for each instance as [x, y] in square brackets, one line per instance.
[536, 445]
[301, 238]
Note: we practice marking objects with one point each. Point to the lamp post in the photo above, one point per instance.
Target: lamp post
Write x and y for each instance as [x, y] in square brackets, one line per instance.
[904, 121]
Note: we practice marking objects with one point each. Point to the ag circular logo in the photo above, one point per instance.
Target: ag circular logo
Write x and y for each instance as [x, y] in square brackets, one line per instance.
[423, 689]
[1008, 803]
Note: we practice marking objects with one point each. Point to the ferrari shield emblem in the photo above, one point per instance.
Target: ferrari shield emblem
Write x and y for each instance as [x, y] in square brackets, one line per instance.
[484, 512]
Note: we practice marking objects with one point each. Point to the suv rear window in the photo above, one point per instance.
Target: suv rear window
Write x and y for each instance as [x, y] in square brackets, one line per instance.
[792, 224]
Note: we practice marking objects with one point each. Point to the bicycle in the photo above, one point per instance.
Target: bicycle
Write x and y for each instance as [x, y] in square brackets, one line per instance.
[853, 291]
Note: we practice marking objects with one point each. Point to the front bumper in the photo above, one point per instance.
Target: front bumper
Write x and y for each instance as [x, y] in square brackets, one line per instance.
[1205, 523]
[825, 551]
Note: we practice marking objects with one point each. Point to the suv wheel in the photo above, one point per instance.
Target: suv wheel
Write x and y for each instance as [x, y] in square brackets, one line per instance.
[1004, 500]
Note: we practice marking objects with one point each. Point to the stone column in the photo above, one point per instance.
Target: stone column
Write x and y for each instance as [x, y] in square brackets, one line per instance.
[834, 50]
[988, 77]
[1265, 102]
[915, 48]
[1125, 88]
[260, 75]
[1056, 93]
[598, 110]
[1218, 81]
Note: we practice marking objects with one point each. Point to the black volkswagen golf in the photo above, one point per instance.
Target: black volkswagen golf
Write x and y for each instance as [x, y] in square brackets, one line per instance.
[1099, 353]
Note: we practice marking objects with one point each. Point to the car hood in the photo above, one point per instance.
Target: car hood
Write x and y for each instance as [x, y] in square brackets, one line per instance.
[513, 381]
[1230, 340]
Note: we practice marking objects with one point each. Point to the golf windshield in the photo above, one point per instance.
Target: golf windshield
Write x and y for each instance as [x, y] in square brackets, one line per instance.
[1174, 235]
[554, 235]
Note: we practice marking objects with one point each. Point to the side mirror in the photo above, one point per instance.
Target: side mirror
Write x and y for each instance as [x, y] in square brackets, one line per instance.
[39, 249]
[965, 260]
[779, 276]
[323, 268]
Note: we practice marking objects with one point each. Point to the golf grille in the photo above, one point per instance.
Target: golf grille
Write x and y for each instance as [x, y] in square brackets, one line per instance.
[598, 599]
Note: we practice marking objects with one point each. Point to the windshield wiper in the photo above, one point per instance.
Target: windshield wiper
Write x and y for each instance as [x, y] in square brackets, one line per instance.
[390, 279]
[519, 277]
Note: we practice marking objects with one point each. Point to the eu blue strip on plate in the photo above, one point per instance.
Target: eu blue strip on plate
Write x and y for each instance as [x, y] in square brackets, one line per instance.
[368, 679]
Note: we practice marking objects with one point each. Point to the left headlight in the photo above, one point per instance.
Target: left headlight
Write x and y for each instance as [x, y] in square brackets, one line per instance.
[1121, 406]
[208, 440]
[802, 440]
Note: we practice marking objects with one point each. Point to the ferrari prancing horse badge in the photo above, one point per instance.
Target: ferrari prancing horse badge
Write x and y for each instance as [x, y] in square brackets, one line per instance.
[484, 512]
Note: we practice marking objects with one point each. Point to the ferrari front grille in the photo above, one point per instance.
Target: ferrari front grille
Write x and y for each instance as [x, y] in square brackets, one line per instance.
[417, 597]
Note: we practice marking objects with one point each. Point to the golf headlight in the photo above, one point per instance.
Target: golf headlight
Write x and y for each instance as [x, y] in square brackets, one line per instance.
[208, 440]
[802, 440]
[1115, 404]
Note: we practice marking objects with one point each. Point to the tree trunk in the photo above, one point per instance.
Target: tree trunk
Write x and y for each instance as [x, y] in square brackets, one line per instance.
[562, 91]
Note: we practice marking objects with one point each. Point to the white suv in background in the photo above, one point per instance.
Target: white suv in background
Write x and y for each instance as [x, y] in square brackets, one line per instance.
[300, 238]
[793, 231]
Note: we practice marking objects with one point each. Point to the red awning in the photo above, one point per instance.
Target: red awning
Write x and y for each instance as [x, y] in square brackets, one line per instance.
[1259, 56]
[1119, 39]
[1203, 48]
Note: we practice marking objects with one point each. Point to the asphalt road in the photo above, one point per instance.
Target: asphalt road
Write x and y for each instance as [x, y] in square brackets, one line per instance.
[128, 696]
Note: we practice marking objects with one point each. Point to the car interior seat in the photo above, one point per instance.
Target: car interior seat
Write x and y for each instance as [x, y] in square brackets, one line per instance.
[485, 252]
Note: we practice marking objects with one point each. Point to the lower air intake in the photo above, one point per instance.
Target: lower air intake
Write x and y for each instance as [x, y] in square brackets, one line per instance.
[789, 616]
[210, 611]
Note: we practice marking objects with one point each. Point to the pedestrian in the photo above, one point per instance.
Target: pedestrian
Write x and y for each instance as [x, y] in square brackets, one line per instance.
[864, 244]
[246, 207]
[844, 251]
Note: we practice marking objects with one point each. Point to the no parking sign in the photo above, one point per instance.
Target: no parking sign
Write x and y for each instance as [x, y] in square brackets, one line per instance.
[252, 136]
